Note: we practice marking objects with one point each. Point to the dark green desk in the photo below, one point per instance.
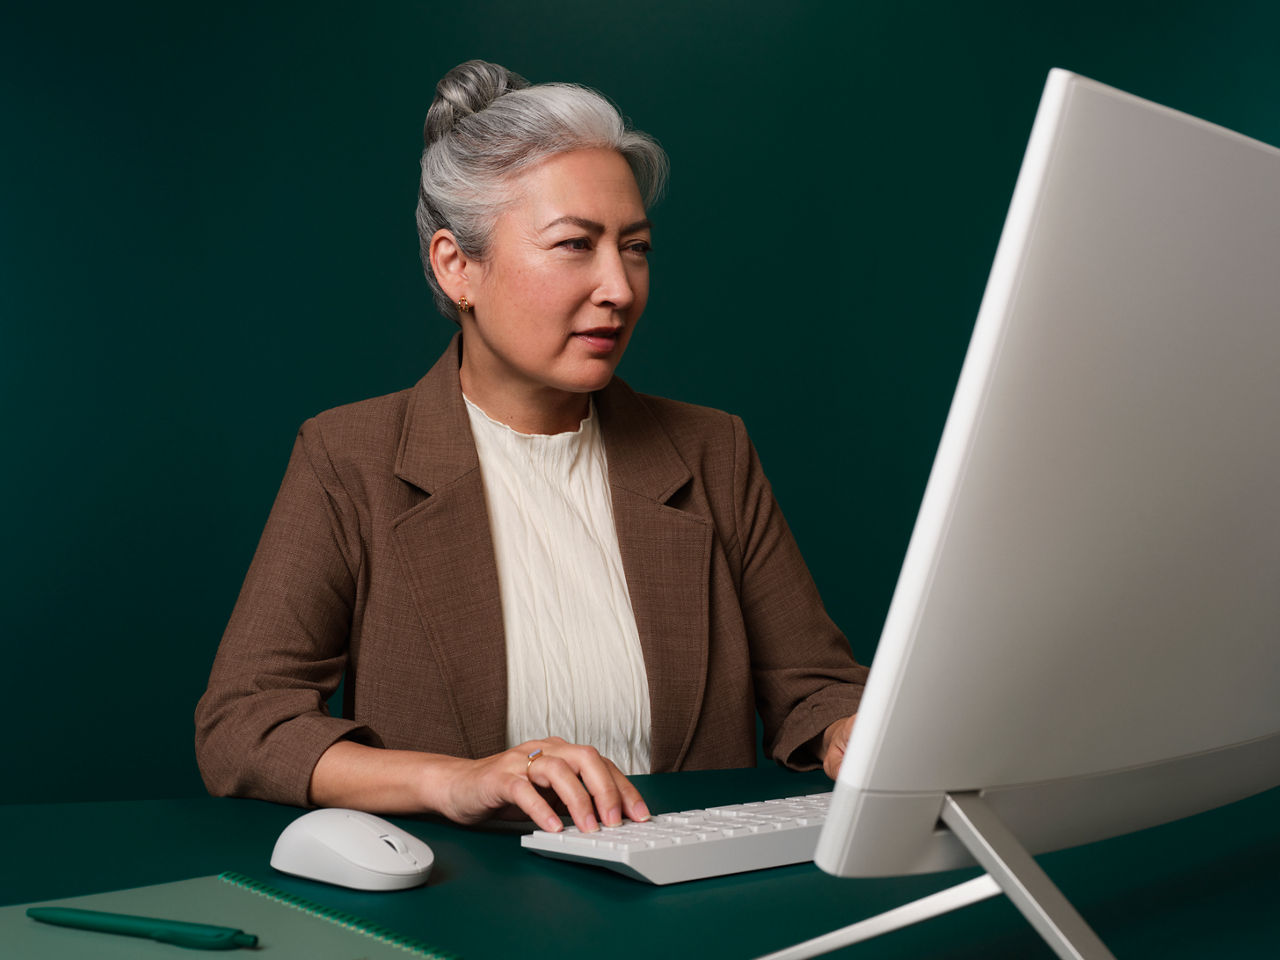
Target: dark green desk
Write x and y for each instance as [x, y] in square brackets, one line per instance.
[1202, 887]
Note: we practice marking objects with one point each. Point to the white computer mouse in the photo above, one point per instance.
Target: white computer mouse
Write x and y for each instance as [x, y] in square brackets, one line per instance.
[352, 849]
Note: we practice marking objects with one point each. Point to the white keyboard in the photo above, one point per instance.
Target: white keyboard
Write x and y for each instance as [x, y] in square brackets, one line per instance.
[673, 847]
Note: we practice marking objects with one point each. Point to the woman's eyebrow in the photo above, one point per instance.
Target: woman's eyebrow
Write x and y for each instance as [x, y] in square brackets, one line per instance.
[593, 227]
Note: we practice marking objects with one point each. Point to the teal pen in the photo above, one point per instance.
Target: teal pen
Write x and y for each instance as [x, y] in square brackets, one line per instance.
[201, 936]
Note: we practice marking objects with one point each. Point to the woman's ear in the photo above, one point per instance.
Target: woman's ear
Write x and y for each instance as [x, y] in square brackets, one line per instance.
[449, 263]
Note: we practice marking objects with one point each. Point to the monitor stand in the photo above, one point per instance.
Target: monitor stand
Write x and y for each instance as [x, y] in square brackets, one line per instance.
[1010, 870]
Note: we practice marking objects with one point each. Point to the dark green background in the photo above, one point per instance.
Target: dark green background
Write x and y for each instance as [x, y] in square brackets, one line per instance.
[206, 235]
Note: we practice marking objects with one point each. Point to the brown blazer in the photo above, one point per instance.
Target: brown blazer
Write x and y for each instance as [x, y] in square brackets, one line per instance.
[377, 560]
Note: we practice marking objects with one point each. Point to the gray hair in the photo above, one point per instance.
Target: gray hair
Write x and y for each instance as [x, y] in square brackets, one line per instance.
[485, 127]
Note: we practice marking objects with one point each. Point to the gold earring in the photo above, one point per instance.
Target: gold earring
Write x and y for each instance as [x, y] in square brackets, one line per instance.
[464, 305]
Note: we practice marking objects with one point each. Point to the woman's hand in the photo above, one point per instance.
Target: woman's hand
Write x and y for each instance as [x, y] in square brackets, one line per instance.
[587, 785]
[576, 777]
[834, 741]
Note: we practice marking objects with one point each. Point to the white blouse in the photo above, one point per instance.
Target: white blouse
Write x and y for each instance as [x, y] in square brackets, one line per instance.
[574, 664]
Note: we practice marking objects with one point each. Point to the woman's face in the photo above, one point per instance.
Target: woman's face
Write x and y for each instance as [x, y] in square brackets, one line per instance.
[566, 279]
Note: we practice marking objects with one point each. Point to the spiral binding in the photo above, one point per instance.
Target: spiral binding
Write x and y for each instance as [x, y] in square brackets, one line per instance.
[343, 919]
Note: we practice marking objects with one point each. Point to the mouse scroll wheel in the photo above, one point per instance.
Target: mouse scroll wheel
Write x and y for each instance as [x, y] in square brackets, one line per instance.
[395, 843]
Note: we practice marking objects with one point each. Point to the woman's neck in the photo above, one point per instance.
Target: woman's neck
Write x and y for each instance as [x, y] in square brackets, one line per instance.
[542, 411]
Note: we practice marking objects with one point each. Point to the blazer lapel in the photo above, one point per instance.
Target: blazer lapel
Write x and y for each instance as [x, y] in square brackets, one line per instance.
[446, 549]
[666, 556]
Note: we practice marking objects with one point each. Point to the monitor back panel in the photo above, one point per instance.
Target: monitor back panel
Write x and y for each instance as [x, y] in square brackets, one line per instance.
[1088, 618]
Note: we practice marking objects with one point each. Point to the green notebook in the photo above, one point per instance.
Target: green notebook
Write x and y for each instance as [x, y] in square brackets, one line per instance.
[287, 927]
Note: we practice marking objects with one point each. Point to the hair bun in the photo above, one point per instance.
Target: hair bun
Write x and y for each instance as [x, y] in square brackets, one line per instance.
[466, 89]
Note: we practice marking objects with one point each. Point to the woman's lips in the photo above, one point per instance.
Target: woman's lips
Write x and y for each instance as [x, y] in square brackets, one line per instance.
[602, 341]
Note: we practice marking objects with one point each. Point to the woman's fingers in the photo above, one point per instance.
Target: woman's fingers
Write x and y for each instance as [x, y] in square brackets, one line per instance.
[614, 794]
[534, 776]
[556, 774]
[590, 786]
[834, 742]
[523, 794]
[599, 776]
[632, 802]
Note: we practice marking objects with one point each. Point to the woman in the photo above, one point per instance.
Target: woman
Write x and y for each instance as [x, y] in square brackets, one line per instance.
[536, 580]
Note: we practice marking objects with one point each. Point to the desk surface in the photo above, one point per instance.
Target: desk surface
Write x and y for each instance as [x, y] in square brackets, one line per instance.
[1200, 887]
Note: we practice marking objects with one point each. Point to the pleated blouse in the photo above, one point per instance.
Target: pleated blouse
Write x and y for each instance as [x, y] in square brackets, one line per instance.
[574, 663]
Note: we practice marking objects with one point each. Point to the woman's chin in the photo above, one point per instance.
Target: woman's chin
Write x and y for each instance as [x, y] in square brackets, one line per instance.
[594, 376]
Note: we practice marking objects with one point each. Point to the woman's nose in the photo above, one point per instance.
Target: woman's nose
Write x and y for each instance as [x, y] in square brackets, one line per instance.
[613, 287]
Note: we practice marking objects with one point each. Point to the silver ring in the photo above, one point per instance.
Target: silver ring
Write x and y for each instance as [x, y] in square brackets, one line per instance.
[532, 757]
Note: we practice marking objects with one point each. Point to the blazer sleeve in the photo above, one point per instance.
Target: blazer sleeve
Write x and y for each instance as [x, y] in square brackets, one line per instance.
[263, 723]
[804, 673]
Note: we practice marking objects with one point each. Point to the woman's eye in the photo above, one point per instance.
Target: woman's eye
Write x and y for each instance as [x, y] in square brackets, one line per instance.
[640, 247]
[576, 243]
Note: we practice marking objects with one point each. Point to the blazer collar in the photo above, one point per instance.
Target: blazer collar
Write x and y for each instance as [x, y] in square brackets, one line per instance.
[436, 447]
[641, 457]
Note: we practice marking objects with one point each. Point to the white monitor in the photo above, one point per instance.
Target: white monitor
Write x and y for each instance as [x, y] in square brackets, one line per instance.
[1085, 634]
